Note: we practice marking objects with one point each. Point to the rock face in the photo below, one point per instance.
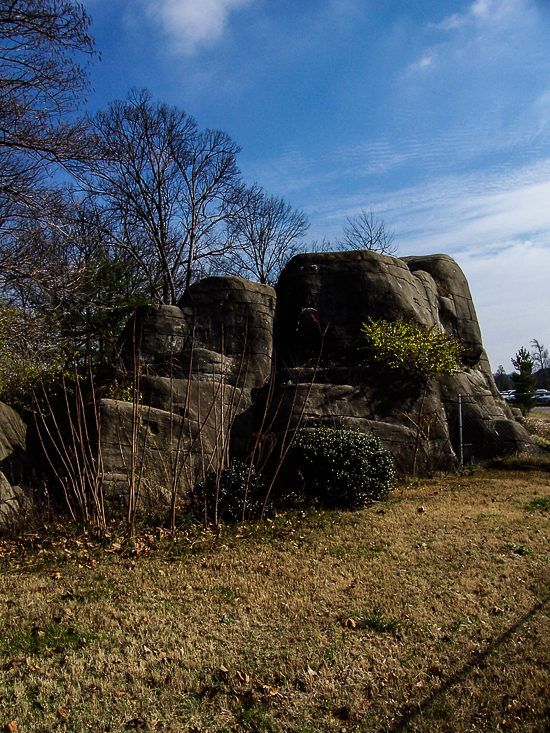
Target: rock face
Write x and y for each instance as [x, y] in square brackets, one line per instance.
[222, 329]
[15, 495]
[199, 365]
[235, 366]
[338, 291]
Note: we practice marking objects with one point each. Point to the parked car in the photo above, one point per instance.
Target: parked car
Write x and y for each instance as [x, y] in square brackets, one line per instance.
[509, 395]
[542, 396]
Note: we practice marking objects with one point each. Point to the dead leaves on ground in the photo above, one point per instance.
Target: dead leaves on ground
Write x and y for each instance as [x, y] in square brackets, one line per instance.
[242, 688]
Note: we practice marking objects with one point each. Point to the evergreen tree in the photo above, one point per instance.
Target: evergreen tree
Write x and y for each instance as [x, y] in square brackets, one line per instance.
[524, 381]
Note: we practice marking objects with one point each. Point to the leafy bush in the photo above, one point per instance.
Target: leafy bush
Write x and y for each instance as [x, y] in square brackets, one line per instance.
[236, 492]
[31, 358]
[341, 467]
[409, 345]
[416, 348]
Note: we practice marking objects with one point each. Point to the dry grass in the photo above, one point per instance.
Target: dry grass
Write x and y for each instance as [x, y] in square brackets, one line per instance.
[428, 612]
[538, 423]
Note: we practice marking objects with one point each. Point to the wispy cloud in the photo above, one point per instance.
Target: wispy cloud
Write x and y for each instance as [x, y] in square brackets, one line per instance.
[487, 36]
[425, 63]
[510, 291]
[483, 12]
[473, 213]
[497, 227]
[191, 24]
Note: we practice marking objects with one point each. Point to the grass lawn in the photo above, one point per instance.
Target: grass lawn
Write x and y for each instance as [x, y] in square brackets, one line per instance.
[426, 612]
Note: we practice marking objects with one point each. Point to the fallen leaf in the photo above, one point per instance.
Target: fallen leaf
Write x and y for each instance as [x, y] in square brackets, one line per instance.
[63, 713]
[311, 672]
[222, 673]
[350, 623]
[10, 727]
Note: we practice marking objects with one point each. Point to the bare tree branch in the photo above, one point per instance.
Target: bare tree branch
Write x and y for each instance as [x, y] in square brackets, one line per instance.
[264, 236]
[41, 83]
[164, 186]
[366, 231]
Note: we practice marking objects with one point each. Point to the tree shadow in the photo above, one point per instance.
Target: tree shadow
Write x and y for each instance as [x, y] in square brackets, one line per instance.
[409, 716]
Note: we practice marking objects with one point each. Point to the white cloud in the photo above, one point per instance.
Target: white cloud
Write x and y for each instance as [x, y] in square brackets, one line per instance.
[482, 8]
[426, 62]
[468, 215]
[510, 292]
[482, 11]
[192, 23]
[497, 227]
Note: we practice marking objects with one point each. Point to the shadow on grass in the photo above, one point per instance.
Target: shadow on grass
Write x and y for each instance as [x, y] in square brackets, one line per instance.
[409, 716]
[540, 462]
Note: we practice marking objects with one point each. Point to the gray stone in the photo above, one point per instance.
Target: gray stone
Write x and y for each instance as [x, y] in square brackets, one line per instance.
[456, 312]
[334, 293]
[15, 497]
[234, 317]
[209, 392]
[13, 432]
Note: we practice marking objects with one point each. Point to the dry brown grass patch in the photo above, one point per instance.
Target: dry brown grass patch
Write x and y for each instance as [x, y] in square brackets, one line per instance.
[538, 423]
[428, 612]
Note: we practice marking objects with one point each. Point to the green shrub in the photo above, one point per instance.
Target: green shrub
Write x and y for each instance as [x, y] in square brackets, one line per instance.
[539, 503]
[341, 467]
[238, 491]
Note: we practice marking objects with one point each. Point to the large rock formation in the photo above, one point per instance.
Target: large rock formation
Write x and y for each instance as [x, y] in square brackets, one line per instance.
[199, 368]
[236, 365]
[15, 494]
[338, 291]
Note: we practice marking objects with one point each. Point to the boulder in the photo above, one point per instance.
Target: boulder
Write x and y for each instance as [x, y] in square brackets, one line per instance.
[236, 368]
[456, 311]
[324, 298]
[234, 317]
[16, 498]
[221, 330]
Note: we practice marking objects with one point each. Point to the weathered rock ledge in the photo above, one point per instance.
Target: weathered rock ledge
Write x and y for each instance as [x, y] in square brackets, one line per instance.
[237, 362]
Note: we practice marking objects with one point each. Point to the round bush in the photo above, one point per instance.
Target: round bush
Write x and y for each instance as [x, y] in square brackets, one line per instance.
[342, 467]
[239, 487]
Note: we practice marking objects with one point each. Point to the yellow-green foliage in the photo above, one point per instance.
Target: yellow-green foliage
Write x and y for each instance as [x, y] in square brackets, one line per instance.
[30, 356]
[409, 345]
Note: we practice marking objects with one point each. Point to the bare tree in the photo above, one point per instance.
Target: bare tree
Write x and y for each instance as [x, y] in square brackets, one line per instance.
[366, 231]
[502, 379]
[165, 188]
[264, 236]
[539, 355]
[541, 362]
[59, 269]
[45, 47]
[42, 83]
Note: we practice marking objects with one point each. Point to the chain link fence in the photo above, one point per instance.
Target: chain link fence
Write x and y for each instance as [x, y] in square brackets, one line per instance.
[484, 432]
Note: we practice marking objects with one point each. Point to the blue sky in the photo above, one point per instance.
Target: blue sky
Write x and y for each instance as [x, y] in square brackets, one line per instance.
[435, 115]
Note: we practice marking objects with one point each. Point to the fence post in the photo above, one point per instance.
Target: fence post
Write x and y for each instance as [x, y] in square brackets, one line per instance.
[460, 437]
